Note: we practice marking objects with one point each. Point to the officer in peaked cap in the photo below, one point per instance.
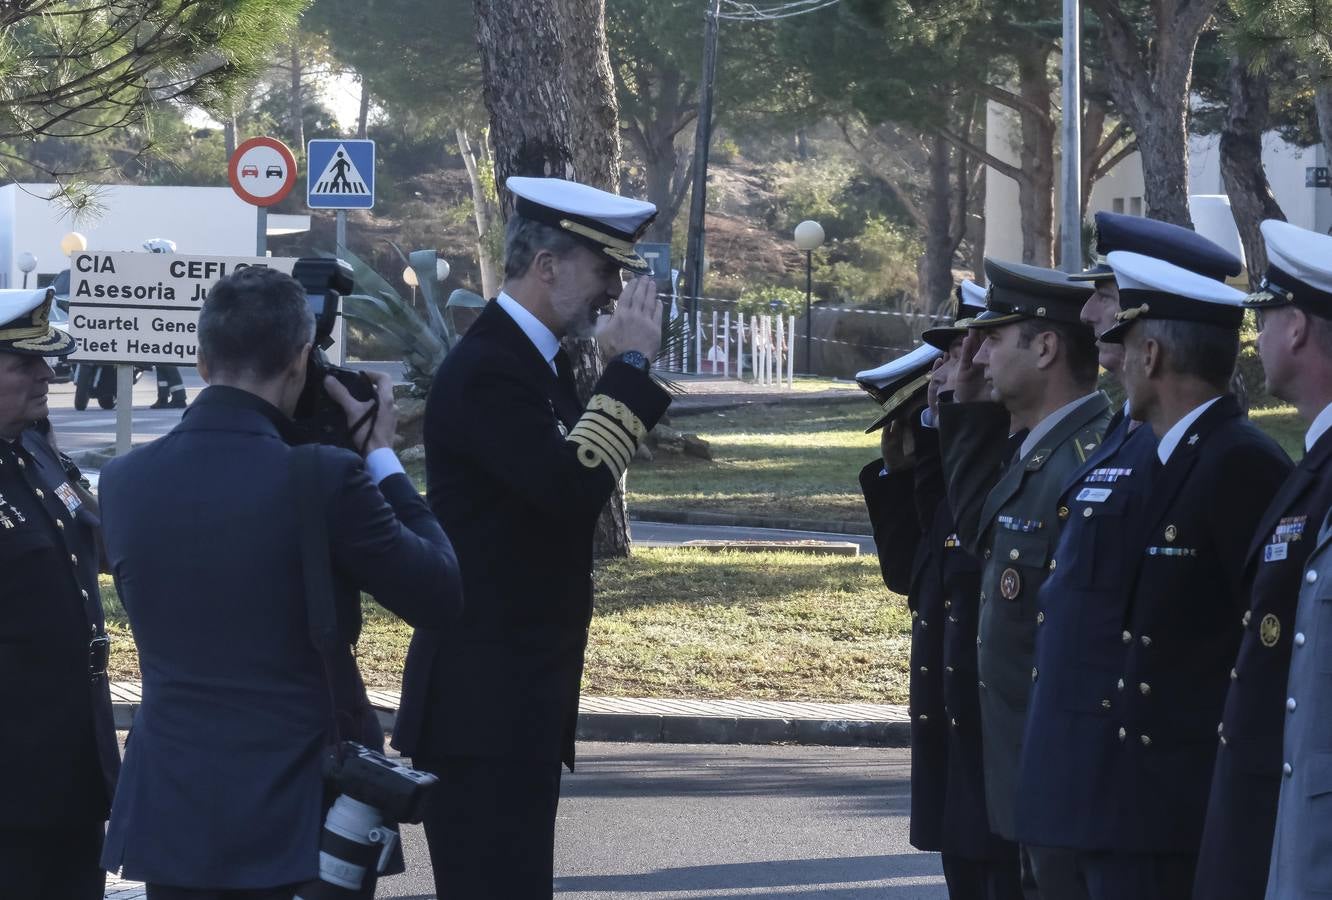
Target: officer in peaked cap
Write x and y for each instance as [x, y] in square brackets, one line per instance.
[518, 466]
[1203, 495]
[895, 383]
[1295, 342]
[1161, 240]
[970, 303]
[1070, 735]
[1030, 365]
[55, 706]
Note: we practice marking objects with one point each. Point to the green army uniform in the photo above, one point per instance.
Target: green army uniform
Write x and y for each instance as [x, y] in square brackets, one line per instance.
[1008, 514]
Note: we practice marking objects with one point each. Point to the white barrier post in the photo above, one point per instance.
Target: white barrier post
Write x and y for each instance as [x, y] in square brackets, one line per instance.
[740, 346]
[781, 348]
[726, 345]
[766, 352]
[713, 344]
[698, 346]
[767, 343]
[790, 357]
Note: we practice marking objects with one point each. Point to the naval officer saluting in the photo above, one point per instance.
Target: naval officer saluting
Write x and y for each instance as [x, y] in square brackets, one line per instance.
[518, 471]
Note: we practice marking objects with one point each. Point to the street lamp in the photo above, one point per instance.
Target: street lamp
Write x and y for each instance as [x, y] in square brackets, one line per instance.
[809, 237]
[409, 276]
[442, 270]
[26, 263]
[73, 243]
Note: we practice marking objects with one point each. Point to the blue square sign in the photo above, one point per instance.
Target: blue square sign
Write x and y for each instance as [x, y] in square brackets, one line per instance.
[340, 174]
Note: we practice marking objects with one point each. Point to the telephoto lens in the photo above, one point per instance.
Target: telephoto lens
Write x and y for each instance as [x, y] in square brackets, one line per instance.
[352, 849]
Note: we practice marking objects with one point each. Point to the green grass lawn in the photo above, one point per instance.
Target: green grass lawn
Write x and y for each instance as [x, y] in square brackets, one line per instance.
[681, 623]
[780, 461]
[1285, 427]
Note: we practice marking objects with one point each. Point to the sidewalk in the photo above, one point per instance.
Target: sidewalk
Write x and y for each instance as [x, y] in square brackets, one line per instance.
[682, 721]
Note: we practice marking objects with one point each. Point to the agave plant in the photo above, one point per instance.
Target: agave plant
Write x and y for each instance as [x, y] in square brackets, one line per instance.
[423, 340]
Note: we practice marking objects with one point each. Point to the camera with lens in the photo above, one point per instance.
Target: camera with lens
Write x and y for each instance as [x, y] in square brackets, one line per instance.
[375, 793]
[318, 418]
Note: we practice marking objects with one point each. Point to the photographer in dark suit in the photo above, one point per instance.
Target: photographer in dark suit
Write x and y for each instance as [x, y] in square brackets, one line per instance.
[222, 794]
[519, 471]
[59, 753]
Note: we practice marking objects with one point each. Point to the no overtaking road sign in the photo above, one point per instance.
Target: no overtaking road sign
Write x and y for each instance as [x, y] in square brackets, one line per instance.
[340, 174]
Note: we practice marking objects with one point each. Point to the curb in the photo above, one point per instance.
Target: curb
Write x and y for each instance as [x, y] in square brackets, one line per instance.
[704, 406]
[685, 729]
[687, 517]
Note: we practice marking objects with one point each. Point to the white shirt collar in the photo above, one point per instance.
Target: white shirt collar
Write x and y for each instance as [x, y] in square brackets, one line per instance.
[542, 338]
[1318, 428]
[1044, 426]
[1167, 446]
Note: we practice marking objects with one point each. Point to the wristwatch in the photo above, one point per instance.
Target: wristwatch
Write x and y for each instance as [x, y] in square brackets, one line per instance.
[635, 359]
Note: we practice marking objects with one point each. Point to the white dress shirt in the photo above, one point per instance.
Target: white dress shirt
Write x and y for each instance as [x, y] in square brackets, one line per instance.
[1176, 433]
[542, 338]
[1319, 426]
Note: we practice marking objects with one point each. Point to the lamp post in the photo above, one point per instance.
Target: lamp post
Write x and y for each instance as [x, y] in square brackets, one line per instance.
[73, 243]
[809, 237]
[409, 276]
[26, 263]
[442, 270]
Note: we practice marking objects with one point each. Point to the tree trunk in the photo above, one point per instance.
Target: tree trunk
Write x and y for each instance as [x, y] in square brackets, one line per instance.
[229, 134]
[1036, 194]
[363, 113]
[935, 269]
[1149, 69]
[976, 226]
[548, 89]
[1163, 142]
[1323, 108]
[1251, 199]
[296, 108]
[483, 204]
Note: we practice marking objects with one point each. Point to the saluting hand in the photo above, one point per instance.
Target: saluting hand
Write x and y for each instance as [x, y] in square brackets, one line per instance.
[385, 423]
[636, 322]
[969, 385]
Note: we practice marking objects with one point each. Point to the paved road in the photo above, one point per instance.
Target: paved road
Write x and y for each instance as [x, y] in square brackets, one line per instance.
[669, 822]
[95, 427]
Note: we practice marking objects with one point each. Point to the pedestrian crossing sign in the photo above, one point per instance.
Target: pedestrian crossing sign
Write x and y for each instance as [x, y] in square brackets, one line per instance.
[340, 174]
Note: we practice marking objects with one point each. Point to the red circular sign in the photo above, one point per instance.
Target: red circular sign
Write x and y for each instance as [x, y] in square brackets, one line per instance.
[262, 171]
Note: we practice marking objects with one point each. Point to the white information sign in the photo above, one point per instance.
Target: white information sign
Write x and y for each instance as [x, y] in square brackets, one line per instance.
[143, 308]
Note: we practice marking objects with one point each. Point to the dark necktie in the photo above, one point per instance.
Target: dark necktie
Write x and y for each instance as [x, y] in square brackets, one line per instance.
[564, 372]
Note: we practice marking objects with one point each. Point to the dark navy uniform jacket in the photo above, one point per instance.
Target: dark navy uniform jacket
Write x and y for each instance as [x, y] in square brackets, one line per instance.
[518, 472]
[901, 510]
[1182, 630]
[223, 783]
[1071, 726]
[942, 583]
[59, 755]
[1242, 809]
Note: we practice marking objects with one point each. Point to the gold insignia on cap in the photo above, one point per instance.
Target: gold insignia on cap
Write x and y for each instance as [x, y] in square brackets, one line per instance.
[599, 236]
[1269, 630]
[1133, 312]
[1010, 584]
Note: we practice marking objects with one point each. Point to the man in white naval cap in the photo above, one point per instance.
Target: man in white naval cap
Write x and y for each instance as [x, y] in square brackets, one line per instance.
[518, 471]
[1212, 476]
[1244, 827]
[1069, 734]
[59, 756]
